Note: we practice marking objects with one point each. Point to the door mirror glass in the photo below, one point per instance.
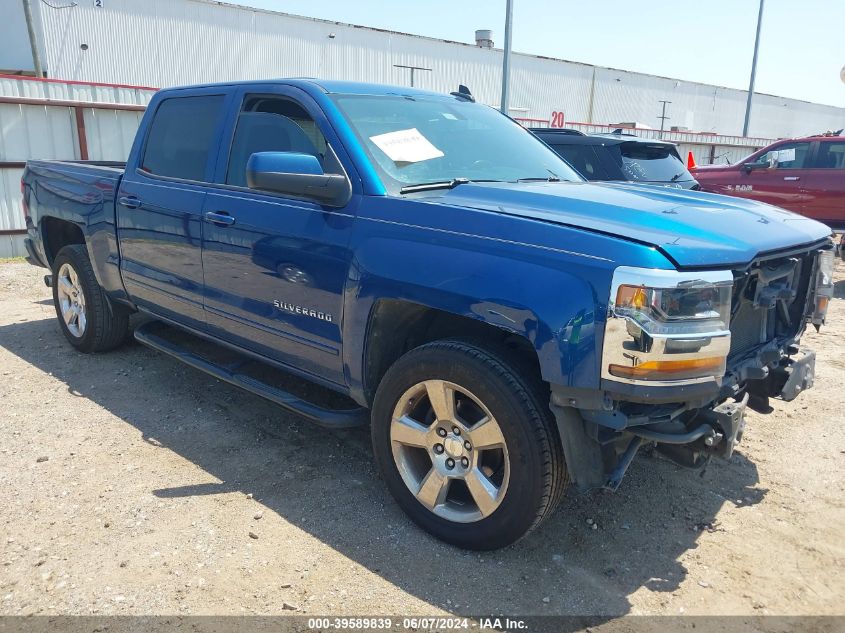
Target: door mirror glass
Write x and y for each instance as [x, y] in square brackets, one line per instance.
[766, 162]
[297, 175]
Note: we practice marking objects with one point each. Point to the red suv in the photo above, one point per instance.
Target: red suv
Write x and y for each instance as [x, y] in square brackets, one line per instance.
[805, 175]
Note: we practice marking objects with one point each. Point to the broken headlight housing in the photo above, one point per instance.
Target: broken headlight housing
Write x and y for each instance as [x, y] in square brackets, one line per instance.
[824, 286]
[666, 325]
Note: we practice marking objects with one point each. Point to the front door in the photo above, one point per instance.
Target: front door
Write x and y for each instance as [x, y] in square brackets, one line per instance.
[160, 204]
[276, 267]
[781, 184]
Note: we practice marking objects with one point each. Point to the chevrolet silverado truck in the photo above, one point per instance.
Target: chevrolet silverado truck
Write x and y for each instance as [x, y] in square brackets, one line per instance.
[504, 327]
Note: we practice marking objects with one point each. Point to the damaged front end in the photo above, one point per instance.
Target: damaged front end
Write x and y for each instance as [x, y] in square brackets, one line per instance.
[684, 355]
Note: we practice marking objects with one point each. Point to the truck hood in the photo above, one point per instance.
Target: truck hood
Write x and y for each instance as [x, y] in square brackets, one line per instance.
[692, 228]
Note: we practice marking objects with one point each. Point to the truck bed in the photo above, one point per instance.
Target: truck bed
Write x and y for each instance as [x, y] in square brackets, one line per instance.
[76, 191]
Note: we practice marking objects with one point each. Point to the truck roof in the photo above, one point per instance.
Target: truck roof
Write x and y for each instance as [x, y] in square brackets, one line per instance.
[827, 136]
[326, 86]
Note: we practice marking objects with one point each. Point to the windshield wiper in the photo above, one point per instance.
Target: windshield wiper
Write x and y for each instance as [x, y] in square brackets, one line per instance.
[552, 177]
[539, 179]
[430, 186]
[442, 184]
[676, 176]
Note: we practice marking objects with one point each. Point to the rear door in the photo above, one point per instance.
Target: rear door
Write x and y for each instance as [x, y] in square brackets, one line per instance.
[780, 185]
[160, 203]
[276, 267]
[824, 183]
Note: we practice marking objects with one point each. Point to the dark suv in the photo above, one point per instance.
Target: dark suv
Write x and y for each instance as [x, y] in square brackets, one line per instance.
[619, 157]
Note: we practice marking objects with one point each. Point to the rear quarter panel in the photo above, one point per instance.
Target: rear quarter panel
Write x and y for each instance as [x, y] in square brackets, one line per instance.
[84, 195]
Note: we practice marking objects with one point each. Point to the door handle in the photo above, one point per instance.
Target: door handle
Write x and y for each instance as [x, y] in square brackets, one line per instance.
[130, 202]
[792, 177]
[219, 218]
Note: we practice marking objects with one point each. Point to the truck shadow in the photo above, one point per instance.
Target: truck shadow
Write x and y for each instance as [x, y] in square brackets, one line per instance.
[325, 483]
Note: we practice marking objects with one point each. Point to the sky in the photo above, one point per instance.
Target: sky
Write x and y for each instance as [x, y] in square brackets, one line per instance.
[802, 46]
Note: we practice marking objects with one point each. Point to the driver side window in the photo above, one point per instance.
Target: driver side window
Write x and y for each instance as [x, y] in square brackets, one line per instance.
[268, 123]
[788, 156]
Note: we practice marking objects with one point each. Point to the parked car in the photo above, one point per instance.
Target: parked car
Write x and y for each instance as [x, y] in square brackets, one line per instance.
[622, 157]
[503, 326]
[804, 175]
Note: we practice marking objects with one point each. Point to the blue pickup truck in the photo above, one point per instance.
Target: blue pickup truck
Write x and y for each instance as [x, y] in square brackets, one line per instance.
[504, 327]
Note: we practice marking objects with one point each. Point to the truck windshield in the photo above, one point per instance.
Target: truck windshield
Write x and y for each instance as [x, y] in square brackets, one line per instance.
[649, 162]
[415, 140]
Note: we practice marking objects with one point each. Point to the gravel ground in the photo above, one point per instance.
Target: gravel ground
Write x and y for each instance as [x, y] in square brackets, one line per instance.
[130, 484]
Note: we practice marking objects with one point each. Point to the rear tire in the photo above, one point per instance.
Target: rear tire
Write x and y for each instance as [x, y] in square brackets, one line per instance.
[467, 482]
[89, 320]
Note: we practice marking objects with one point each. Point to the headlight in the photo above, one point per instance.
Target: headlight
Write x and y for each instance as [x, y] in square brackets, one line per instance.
[824, 286]
[667, 325]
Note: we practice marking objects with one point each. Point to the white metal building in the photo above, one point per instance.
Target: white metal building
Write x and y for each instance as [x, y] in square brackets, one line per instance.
[170, 42]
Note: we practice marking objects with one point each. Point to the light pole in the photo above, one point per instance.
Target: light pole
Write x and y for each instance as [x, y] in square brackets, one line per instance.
[33, 43]
[663, 116]
[506, 60]
[412, 69]
[753, 71]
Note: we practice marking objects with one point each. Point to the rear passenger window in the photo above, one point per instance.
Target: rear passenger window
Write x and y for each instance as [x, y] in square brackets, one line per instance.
[831, 156]
[584, 159]
[181, 136]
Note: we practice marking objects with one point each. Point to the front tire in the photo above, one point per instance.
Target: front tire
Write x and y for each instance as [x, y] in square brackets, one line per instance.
[467, 445]
[89, 320]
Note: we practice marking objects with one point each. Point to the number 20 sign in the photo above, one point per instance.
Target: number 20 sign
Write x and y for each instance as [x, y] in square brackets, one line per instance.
[557, 119]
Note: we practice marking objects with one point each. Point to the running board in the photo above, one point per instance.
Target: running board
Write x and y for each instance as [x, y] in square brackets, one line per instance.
[328, 418]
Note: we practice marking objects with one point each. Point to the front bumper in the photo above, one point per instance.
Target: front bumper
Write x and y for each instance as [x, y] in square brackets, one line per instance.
[599, 444]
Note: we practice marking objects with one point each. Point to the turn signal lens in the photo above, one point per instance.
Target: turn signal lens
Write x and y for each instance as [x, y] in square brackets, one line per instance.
[631, 296]
[824, 287]
[671, 369]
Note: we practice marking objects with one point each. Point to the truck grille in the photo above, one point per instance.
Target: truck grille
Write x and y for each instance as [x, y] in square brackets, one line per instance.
[753, 322]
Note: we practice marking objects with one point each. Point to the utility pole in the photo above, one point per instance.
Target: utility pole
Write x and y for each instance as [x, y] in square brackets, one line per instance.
[753, 71]
[663, 118]
[33, 44]
[506, 60]
[412, 69]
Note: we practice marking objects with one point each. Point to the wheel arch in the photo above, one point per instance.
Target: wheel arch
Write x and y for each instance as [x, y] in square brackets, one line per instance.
[397, 326]
[56, 233]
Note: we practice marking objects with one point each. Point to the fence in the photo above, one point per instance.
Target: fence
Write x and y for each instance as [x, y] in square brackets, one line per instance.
[46, 118]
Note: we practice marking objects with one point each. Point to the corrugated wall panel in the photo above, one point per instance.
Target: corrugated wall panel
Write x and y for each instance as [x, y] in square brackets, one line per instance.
[172, 42]
[29, 88]
[11, 212]
[28, 131]
[110, 133]
[49, 131]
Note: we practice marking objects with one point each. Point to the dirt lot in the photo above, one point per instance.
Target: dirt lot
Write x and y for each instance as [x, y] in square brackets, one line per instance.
[130, 484]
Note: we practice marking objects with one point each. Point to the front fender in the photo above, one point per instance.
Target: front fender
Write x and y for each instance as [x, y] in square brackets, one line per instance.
[553, 296]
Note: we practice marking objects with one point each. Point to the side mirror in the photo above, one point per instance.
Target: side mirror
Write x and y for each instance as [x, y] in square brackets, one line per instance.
[297, 175]
[759, 164]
